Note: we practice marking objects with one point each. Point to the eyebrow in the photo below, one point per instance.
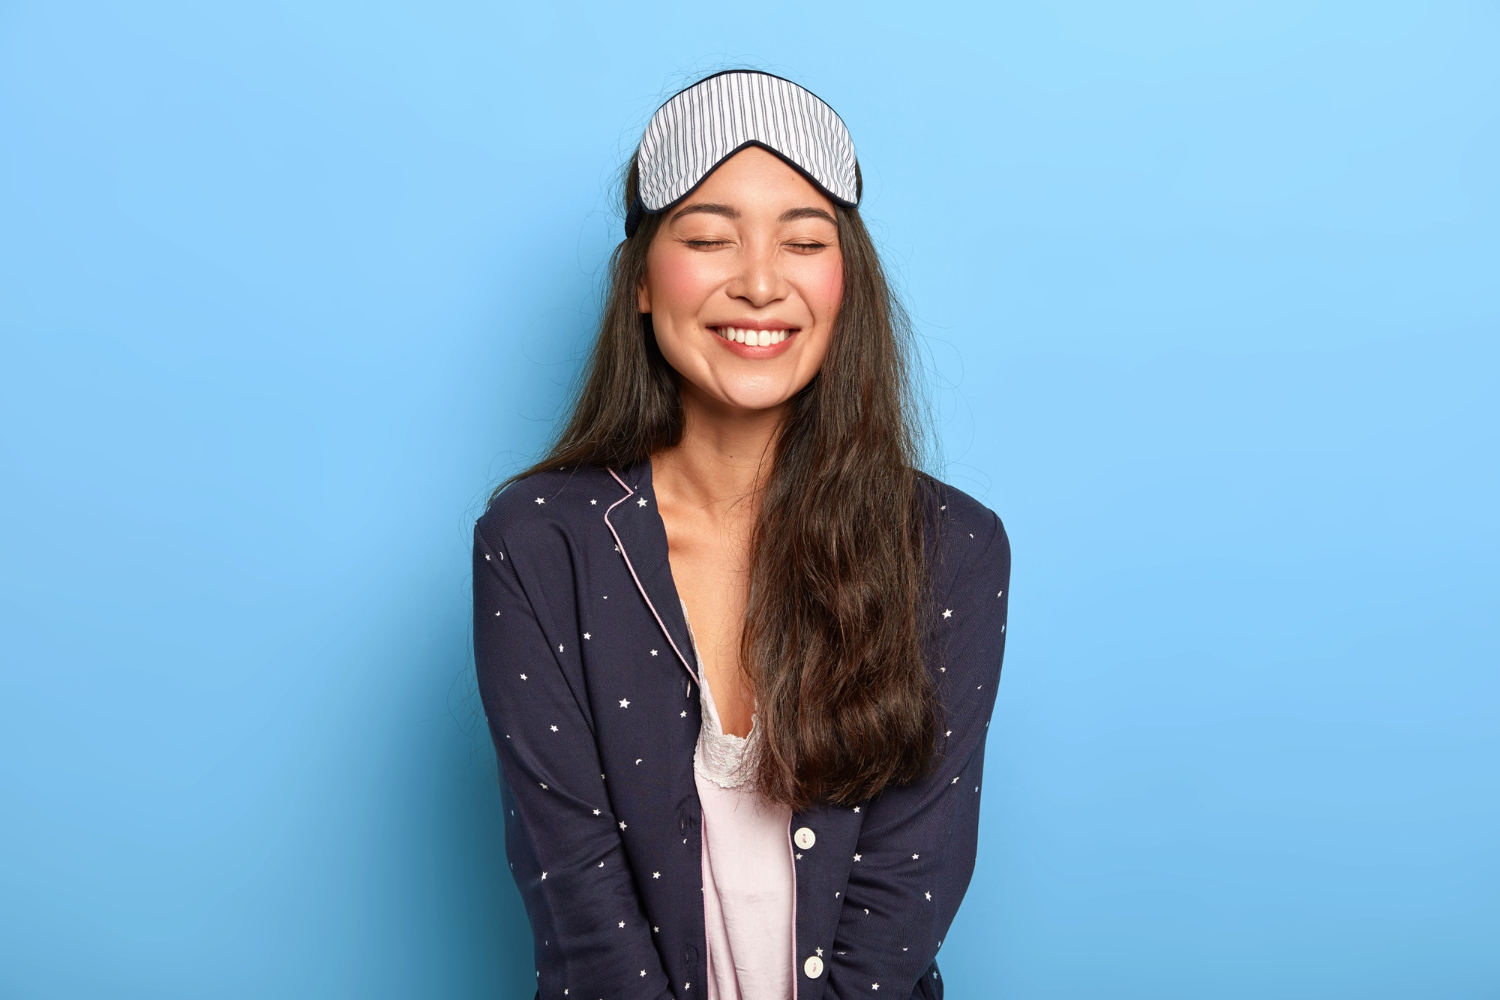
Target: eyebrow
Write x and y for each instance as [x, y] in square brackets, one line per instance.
[793, 214]
[707, 208]
[730, 212]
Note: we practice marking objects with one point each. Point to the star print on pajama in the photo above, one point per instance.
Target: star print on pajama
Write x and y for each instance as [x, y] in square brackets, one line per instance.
[597, 779]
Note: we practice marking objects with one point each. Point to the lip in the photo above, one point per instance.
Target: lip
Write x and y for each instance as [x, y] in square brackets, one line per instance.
[754, 324]
[755, 353]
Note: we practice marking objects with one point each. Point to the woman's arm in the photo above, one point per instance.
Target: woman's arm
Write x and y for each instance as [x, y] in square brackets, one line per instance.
[592, 937]
[918, 842]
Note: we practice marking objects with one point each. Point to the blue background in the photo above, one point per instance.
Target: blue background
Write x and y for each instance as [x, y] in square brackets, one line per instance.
[1207, 297]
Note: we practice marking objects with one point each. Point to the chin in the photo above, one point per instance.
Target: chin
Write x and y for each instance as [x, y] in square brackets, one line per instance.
[757, 398]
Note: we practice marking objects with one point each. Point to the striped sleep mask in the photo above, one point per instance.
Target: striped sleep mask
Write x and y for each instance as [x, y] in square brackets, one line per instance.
[706, 124]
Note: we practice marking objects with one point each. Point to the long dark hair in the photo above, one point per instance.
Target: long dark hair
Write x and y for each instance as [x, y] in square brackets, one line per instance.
[832, 642]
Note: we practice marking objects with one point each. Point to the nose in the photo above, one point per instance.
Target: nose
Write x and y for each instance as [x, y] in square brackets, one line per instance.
[759, 280]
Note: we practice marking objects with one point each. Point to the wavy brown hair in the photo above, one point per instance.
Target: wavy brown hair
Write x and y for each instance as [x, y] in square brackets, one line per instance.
[832, 643]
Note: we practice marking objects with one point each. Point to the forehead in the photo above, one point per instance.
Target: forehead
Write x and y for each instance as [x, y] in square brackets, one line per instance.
[756, 176]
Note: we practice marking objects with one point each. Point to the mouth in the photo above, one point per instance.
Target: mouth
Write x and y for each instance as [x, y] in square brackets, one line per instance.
[753, 336]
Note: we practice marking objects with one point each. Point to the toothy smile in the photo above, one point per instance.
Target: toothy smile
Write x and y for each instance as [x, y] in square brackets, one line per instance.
[753, 338]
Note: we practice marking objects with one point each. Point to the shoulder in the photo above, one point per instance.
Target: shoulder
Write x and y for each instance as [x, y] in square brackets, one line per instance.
[958, 511]
[967, 537]
[557, 502]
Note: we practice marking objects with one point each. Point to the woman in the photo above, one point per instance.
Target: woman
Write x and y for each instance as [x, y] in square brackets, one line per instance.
[738, 655]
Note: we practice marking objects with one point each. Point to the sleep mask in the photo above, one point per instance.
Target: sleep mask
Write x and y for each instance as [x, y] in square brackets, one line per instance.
[704, 125]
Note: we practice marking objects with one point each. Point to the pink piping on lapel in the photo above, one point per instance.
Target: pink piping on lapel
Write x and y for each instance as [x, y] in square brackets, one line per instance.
[621, 546]
[703, 824]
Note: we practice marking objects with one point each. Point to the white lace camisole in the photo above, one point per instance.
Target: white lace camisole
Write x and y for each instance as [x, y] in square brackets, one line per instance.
[748, 885]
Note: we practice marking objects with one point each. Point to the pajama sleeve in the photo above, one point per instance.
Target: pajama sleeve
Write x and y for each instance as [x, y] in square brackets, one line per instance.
[592, 938]
[918, 842]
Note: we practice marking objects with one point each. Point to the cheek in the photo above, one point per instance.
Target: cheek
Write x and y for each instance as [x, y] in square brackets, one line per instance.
[827, 287]
[679, 282]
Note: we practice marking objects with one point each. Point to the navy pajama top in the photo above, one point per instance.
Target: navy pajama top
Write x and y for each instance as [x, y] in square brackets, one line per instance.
[582, 649]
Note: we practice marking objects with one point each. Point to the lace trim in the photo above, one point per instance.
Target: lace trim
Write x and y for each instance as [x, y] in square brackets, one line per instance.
[723, 758]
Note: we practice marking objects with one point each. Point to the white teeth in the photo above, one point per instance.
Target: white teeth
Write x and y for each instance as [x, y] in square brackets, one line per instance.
[755, 338]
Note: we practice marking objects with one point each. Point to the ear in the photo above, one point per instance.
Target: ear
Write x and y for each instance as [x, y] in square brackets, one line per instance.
[643, 297]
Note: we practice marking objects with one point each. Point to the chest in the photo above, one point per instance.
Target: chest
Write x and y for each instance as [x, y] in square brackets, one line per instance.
[709, 560]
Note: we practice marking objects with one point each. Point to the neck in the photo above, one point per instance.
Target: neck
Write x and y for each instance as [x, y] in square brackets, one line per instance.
[724, 456]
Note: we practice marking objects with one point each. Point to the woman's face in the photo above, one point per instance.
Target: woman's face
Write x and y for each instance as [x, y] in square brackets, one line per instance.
[743, 283]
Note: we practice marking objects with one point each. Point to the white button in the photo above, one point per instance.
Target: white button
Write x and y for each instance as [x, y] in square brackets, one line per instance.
[813, 967]
[804, 839]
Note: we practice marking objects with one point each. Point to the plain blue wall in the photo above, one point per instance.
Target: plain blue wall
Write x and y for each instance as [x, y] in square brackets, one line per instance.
[1208, 299]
